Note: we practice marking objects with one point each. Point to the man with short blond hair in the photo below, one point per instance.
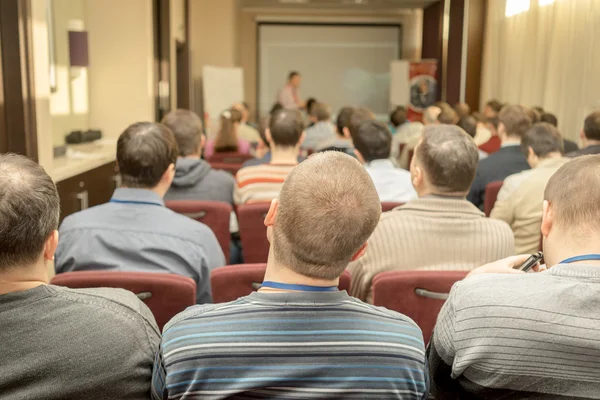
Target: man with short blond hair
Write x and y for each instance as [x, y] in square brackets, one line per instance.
[441, 230]
[299, 336]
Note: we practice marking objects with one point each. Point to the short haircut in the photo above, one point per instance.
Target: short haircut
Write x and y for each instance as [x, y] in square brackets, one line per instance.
[373, 140]
[310, 104]
[430, 115]
[144, 152]
[515, 119]
[398, 116]
[358, 116]
[187, 128]
[276, 107]
[449, 158]
[534, 115]
[462, 109]
[494, 121]
[286, 127]
[343, 119]
[549, 118]
[573, 192]
[29, 211]
[538, 109]
[591, 126]
[328, 208]
[469, 125]
[448, 116]
[321, 112]
[293, 74]
[544, 139]
[494, 105]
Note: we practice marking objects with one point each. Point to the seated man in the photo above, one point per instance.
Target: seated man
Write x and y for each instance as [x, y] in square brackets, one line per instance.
[246, 131]
[514, 122]
[441, 230]
[590, 136]
[519, 200]
[60, 343]
[535, 335]
[570, 146]
[343, 141]
[298, 336]
[262, 183]
[406, 131]
[430, 117]
[194, 178]
[322, 129]
[373, 141]
[135, 231]
[469, 124]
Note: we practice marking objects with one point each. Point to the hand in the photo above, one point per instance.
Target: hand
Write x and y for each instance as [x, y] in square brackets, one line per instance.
[508, 265]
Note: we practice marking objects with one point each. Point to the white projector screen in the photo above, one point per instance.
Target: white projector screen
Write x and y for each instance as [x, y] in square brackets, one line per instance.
[340, 64]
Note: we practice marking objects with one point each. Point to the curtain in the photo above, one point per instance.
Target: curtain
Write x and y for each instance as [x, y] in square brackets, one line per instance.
[547, 56]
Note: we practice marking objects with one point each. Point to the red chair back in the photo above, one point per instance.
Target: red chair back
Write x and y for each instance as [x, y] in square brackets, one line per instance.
[389, 206]
[253, 232]
[231, 282]
[213, 214]
[231, 168]
[491, 194]
[416, 294]
[165, 294]
[229, 158]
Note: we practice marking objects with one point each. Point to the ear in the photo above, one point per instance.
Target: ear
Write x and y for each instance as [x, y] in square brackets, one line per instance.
[501, 129]
[50, 246]
[272, 213]
[301, 140]
[169, 174]
[346, 132]
[268, 135]
[547, 219]
[360, 253]
[359, 156]
[416, 174]
[530, 152]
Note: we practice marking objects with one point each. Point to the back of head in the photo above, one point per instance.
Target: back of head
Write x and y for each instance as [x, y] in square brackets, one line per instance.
[144, 152]
[469, 125]
[29, 211]
[321, 112]
[398, 116]
[373, 140]
[462, 109]
[343, 119]
[310, 103]
[276, 107]
[186, 125]
[534, 115]
[226, 139]
[448, 116]
[358, 116]
[328, 208]
[544, 139]
[286, 127]
[430, 115]
[515, 119]
[549, 118]
[494, 105]
[591, 126]
[448, 157]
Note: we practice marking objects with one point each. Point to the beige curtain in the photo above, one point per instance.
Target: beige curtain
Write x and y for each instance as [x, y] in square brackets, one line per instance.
[547, 56]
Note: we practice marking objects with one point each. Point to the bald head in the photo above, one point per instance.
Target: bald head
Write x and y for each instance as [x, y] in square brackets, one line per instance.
[430, 115]
[328, 208]
[286, 127]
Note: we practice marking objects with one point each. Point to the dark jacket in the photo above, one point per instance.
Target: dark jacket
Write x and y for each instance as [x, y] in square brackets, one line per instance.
[506, 161]
[586, 151]
[196, 180]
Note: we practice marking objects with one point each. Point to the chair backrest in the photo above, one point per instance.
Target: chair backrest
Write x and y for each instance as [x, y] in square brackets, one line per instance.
[165, 294]
[491, 194]
[389, 206]
[231, 168]
[229, 158]
[416, 294]
[231, 282]
[253, 232]
[213, 214]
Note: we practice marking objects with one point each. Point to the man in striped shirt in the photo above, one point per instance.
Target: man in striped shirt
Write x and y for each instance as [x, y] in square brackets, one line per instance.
[262, 183]
[298, 337]
[536, 335]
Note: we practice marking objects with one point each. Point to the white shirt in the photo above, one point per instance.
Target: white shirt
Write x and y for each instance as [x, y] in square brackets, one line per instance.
[392, 184]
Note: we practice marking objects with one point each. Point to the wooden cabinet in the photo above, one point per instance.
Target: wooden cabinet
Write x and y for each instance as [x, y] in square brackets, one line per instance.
[86, 190]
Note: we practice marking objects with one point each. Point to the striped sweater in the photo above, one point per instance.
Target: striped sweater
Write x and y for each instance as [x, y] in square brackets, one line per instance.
[529, 336]
[260, 183]
[435, 233]
[294, 345]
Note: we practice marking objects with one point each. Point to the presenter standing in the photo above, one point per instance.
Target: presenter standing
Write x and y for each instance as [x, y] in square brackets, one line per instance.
[289, 96]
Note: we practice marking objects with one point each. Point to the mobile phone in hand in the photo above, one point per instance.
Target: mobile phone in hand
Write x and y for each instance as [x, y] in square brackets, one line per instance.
[531, 261]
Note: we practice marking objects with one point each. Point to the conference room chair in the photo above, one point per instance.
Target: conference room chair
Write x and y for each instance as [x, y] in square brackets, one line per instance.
[214, 214]
[229, 158]
[491, 194]
[389, 206]
[165, 294]
[253, 232]
[231, 168]
[231, 282]
[419, 295]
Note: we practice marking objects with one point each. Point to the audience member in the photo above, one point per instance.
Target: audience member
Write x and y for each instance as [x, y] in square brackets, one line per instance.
[448, 116]
[322, 130]
[534, 115]
[430, 115]
[309, 105]
[227, 140]
[462, 109]
[492, 109]
[493, 144]
[372, 142]
[590, 136]
[441, 230]
[469, 125]
[405, 131]
[262, 183]
[194, 178]
[357, 117]
[134, 231]
[342, 141]
[245, 131]
[519, 201]
[535, 335]
[60, 343]
[570, 145]
[482, 133]
[298, 336]
[289, 95]
[514, 122]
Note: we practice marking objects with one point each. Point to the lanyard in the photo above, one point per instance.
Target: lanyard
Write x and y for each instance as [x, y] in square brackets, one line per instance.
[149, 203]
[585, 257]
[300, 288]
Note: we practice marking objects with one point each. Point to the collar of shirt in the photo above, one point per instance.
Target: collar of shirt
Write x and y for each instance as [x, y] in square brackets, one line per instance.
[510, 144]
[575, 270]
[129, 195]
[385, 163]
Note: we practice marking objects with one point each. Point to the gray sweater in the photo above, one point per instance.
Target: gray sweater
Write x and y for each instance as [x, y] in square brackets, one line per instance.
[196, 180]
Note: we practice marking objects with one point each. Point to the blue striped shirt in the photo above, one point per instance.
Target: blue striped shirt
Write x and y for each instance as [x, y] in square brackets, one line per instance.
[293, 345]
